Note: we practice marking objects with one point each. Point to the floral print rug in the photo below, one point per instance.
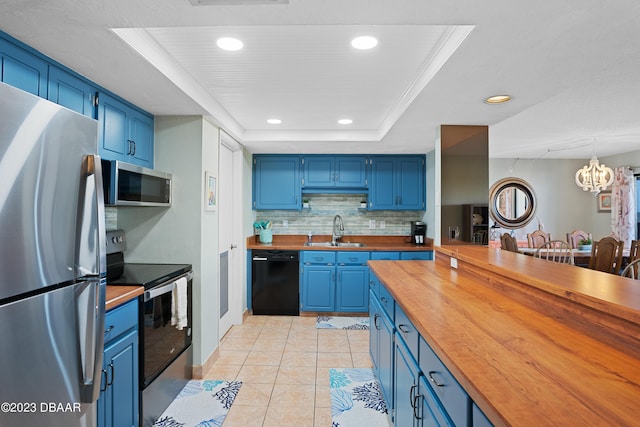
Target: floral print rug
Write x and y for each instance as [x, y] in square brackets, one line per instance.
[356, 399]
[340, 322]
[201, 403]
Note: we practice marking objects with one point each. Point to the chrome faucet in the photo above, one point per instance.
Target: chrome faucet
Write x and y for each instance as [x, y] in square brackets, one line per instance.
[338, 229]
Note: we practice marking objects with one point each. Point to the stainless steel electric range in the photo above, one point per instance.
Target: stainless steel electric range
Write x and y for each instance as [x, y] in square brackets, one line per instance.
[166, 355]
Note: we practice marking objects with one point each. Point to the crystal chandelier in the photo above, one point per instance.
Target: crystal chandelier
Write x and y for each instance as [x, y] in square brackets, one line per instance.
[594, 177]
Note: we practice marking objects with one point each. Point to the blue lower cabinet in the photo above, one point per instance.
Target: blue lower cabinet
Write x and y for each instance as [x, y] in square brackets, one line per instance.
[417, 255]
[405, 386]
[118, 404]
[479, 419]
[431, 413]
[352, 287]
[381, 348]
[385, 255]
[318, 276]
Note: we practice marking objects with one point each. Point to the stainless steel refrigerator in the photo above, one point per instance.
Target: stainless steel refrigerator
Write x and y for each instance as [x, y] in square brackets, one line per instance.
[52, 264]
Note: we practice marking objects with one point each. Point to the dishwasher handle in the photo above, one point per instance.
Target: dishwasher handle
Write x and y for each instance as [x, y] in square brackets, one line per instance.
[260, 258]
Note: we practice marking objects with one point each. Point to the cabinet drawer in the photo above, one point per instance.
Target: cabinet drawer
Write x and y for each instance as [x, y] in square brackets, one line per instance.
[385, 255]
[374, 285]
[120, 319]
[452, 396]
[319, 257]
[407, 331]
[415, 255]
[357, 258]
[386, 301]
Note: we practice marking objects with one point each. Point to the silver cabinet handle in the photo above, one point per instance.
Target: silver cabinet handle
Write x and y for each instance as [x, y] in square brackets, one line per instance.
[433, 380]
[403, 328]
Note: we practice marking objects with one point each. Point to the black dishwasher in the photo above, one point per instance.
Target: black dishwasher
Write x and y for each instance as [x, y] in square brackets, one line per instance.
[275, 282]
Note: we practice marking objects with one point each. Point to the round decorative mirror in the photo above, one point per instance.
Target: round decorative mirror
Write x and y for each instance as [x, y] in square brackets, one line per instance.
[512, 203]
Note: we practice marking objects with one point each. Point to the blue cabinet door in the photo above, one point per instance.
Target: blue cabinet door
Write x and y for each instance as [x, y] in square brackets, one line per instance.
[386, 358]
[141, 132]
[430, 412]
[352, 288]
[121, 395]
[382, 195]
[72, 92]
[385, 255]
[350, 172]
[23, 70]
[405, 388]
[420, 256]
[113, 137]
[319, 171]
[410, 178]
[276, 183]
[375, 311]
[318, 288]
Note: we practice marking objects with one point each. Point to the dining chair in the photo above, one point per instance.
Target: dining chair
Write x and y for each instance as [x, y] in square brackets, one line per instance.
[575, 236]
[556, 251]
[509, 243]
[634, 252]
[606, 255]
[538, 238]
[631, 270]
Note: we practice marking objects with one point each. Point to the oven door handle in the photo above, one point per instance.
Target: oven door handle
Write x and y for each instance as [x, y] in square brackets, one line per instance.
[165, 287]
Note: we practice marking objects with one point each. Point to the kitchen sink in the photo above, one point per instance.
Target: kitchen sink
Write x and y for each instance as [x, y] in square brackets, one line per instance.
[337, 244]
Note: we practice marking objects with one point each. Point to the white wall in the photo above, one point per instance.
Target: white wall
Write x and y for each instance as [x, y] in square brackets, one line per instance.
[184, 233]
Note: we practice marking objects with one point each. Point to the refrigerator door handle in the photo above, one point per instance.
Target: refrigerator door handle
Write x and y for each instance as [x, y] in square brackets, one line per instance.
[91, 258]
[90, 309]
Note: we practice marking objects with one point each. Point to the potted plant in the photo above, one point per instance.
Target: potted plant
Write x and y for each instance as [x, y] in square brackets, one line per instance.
[363, 204]
[584, 244]
[305, 203]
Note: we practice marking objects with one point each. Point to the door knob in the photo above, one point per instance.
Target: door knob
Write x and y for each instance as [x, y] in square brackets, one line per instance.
[233, 246]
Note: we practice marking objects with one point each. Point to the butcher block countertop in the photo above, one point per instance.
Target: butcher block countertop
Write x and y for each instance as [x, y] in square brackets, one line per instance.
[295, 242]
[531, 341]
[118, 295]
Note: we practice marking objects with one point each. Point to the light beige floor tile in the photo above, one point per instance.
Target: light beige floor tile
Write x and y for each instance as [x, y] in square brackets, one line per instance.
[258, 357]
[255, 320]
[223, 372]
[361, 360]
[296, 375]
[322, 417]
[258, 374]
[237, 344]
[322, 376]
[332, 333]
[300, 396]
[269, 344]
[358, 335]
[335, 360]
[254, 395]
[304, 321]
[232, 357]
[244, 332]
[278, 322]
[323, 395]
[245, 416]
[274, 333]
[299, 358]
[359, 346]
[303, 333]
[301, 345]
[333, 345]
[288, 417]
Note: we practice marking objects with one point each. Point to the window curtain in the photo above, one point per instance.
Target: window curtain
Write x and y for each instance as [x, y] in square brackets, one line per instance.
[623, 205]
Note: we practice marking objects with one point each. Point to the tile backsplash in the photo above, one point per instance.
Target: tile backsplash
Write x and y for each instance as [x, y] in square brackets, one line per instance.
[318, 218]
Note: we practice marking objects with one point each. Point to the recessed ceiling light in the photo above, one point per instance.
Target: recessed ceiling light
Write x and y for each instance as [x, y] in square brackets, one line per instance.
[345, 121]
[498, 99]
[274, 121]
[229, 43]
[364, 42]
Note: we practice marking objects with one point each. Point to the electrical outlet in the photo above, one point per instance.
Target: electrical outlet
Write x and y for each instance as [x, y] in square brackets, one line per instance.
[372, 224]
[454, 262]
[381, 225]
[285, 223]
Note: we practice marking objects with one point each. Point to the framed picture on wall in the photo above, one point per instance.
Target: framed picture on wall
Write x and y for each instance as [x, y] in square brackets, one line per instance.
[210, 191]
[604, 201]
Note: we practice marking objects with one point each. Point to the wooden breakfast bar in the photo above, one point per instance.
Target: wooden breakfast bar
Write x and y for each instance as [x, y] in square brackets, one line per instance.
[532, 342]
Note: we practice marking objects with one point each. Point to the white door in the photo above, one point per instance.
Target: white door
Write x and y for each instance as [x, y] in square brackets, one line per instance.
[230, 223]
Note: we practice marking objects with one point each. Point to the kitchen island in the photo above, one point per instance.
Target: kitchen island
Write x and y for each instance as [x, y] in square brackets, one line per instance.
[530, 341]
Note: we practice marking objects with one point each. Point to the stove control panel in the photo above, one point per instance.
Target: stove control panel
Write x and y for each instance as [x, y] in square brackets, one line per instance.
[116, 241]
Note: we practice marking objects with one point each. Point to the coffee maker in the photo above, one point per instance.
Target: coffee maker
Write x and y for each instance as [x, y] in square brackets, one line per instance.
[418, 232]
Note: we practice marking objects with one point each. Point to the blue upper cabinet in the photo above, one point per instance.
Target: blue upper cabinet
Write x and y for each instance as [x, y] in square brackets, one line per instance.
[72, 92]
[276, 182]
[23, 69]
[125, 133]
[397, 183]
[328, 172]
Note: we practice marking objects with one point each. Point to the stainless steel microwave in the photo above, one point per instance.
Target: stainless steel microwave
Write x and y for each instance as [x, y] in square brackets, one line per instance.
[130, 185]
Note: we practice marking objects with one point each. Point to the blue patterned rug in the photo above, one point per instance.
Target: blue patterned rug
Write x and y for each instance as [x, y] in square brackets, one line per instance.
[340, 322]
[201, 403]
[356, 399]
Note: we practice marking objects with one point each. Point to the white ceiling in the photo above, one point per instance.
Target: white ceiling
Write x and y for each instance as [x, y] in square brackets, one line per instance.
[571, 67]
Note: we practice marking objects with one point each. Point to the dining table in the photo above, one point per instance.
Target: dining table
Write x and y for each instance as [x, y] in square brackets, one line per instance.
[581, 257]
